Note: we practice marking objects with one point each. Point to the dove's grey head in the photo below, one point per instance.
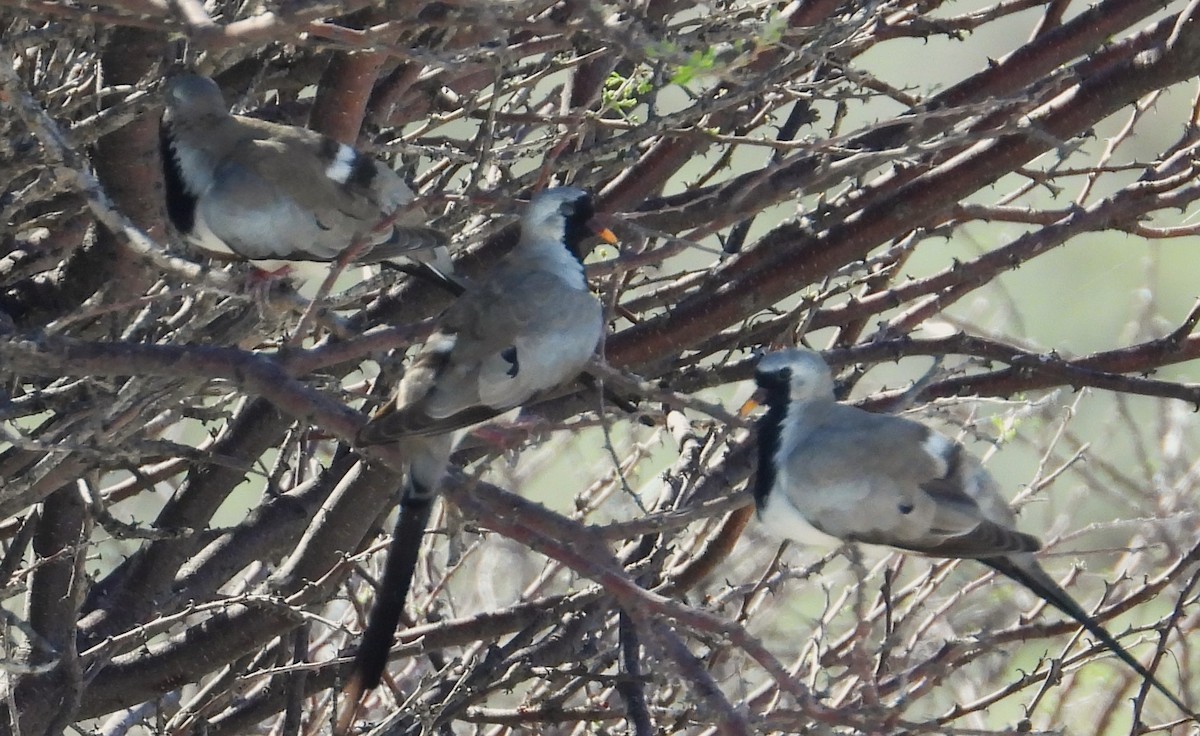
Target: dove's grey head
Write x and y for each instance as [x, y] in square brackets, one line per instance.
[795, 374]
[561, 216]
[192, 96]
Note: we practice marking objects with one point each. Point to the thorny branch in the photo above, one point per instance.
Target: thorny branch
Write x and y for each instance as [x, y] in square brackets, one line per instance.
[777, 171]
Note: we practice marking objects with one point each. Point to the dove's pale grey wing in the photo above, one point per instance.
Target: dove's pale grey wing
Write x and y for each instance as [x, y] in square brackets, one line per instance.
[264, 191]
[497, 346]
[351, 191]
[886, 480]
[403, 240]
[968, 488]
[311, 206]
[405, 416]
[254, 219]
[521, 335]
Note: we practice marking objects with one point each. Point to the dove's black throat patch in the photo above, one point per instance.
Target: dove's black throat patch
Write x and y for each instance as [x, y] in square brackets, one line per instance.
[576, 228]
[181, 204]
[770, 431]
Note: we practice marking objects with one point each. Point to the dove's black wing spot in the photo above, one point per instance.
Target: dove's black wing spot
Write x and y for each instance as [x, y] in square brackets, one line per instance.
[351, 169]
[510, 355]
[363, 173]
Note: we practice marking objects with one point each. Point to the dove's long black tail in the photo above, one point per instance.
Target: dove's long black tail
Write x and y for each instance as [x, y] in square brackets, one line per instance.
[1032, 576]
[393, 591]
[376, 644]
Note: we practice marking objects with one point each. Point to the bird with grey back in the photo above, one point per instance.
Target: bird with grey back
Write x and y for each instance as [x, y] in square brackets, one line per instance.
[241, 188]
[531, 325]
[832, 472]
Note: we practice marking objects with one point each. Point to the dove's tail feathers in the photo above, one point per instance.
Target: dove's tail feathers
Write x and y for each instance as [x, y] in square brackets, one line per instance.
[1032, 576]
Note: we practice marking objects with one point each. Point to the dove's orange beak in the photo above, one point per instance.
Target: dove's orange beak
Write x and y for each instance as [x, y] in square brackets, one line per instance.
[751, 403]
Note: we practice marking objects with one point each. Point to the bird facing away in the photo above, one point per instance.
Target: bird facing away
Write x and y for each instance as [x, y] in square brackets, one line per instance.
[240, 188]
[530, 326]
[830, 470]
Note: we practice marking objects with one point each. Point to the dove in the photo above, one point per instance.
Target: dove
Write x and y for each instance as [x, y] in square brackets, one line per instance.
[528, 327]
[836, 473]
[240, 188]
